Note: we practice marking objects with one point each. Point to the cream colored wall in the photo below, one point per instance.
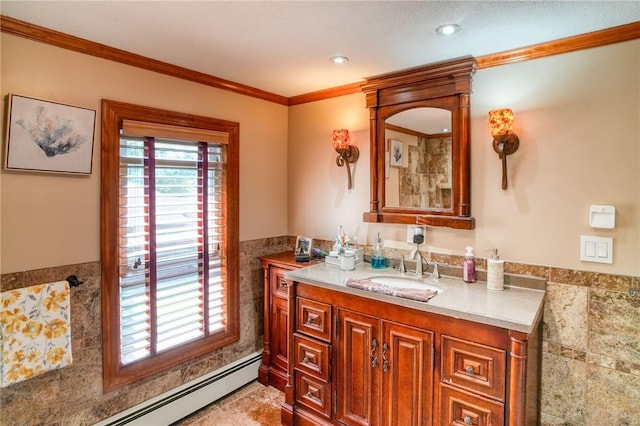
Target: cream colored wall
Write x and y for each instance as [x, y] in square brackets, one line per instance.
[577, 119]
[319, 200]
[52, 220]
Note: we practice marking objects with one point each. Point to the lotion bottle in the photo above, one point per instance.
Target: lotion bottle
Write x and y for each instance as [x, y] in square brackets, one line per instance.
[469, 266]
[495, 272]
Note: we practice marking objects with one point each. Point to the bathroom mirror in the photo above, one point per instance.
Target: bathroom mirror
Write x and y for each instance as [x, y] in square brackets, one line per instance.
[419, 172]
[420, 165]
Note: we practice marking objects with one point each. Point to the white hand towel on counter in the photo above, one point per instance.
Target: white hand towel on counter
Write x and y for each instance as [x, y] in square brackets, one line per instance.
[35, 331]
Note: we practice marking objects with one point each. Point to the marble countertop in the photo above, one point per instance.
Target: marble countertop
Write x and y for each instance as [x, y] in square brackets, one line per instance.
[515, 308]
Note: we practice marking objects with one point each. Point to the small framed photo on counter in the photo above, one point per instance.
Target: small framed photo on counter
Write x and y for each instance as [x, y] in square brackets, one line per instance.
[303, 249]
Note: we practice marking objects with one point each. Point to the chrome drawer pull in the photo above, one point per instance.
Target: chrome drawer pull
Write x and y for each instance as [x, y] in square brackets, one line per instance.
[470, 370]
[310, 320]
[467, 420]
[305, 360]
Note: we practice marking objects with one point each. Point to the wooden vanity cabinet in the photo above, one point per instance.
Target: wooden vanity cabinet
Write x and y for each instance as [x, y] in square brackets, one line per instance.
[385, 368]
[274, 365]
[361, 361]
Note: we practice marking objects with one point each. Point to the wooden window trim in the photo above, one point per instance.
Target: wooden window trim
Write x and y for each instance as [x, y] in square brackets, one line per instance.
[113, 114]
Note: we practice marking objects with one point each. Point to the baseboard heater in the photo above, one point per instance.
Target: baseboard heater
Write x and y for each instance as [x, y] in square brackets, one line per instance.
[178, 403]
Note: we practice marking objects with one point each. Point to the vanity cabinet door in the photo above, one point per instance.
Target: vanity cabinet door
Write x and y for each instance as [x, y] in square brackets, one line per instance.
[359, 366]
[386, 372]
[279, 336]
[407, 375]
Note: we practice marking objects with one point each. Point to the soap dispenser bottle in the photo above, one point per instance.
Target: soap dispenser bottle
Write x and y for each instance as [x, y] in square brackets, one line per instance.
[495, 272]
[378, 260]
[469, 266]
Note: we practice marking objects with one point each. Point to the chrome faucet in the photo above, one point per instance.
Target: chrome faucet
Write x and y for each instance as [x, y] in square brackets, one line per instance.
[401, 267]
[417, 256]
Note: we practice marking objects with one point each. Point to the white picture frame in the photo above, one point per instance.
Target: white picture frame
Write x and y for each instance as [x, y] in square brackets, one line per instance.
[51, 137]
[396, 153]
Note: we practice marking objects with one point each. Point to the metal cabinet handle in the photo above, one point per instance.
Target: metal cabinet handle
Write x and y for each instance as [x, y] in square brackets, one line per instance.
[467, 420]
[374, 357]
[310, 320]
[385, 364]
[305, 360]
[470, 370]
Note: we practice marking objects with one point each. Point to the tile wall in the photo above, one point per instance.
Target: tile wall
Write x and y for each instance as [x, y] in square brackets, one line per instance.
[73, 395]
[590, 365]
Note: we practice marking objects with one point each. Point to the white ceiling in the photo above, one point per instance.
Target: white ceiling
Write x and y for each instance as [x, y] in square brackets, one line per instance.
[284, 47]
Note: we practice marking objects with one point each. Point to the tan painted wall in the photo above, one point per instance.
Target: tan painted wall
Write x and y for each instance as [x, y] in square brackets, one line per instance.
[577, 117]
[51, 220]
[578, 124]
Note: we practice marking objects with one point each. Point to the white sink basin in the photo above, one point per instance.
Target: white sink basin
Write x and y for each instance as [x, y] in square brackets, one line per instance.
[412, 283]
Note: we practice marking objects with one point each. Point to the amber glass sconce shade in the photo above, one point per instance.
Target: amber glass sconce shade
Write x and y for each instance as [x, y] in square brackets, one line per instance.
[505, 142]
[347, 153]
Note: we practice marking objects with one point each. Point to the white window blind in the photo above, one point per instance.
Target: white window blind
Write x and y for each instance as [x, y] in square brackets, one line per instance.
[171, 242]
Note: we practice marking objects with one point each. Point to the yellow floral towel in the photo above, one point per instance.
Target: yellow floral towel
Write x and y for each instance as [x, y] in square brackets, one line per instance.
[35, 331]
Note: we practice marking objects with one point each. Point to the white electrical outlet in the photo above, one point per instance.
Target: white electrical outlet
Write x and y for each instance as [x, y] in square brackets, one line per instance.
[415, 230]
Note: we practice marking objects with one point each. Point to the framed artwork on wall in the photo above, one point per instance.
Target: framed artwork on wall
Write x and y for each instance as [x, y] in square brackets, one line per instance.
[396, 152]
[44, 136]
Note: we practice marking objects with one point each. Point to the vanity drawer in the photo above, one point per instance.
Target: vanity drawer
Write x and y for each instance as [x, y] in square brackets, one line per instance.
[473, 366]
[313, 393]
[311, 356]
[278, 283]
[463, 409]
[313, 319]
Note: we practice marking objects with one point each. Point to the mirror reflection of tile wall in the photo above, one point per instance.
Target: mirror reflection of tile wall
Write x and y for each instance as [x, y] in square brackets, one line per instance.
[426, 182]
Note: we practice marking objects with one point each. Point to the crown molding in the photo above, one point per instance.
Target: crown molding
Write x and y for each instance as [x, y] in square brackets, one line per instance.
[569, 44]
[333, 92]
[44, 35]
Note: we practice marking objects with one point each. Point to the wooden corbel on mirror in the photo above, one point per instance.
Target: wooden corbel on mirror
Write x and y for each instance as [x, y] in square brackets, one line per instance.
[420, 154]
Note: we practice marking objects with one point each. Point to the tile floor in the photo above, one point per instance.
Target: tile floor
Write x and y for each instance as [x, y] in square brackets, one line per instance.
[252, 405]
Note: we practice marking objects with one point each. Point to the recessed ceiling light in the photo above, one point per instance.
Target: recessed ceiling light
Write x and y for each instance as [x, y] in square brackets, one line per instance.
[339, 60]
[447, 29]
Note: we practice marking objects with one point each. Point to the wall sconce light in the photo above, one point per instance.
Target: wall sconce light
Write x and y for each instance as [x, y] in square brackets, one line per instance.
[347, 153]
[505, 142]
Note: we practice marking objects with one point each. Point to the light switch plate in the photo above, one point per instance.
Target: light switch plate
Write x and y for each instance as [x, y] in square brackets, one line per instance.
[596, 249]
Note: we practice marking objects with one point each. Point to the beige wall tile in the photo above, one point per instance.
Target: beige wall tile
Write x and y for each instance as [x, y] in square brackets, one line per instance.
[614, 325]
[565, 315]
[563, 389]
[613, 397]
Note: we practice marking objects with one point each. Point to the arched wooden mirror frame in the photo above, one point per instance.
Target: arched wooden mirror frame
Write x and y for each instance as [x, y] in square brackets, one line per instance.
[443, 85]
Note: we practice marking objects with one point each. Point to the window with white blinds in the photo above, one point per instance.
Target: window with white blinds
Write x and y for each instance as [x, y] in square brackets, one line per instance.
[169, 239]
[172, 280]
